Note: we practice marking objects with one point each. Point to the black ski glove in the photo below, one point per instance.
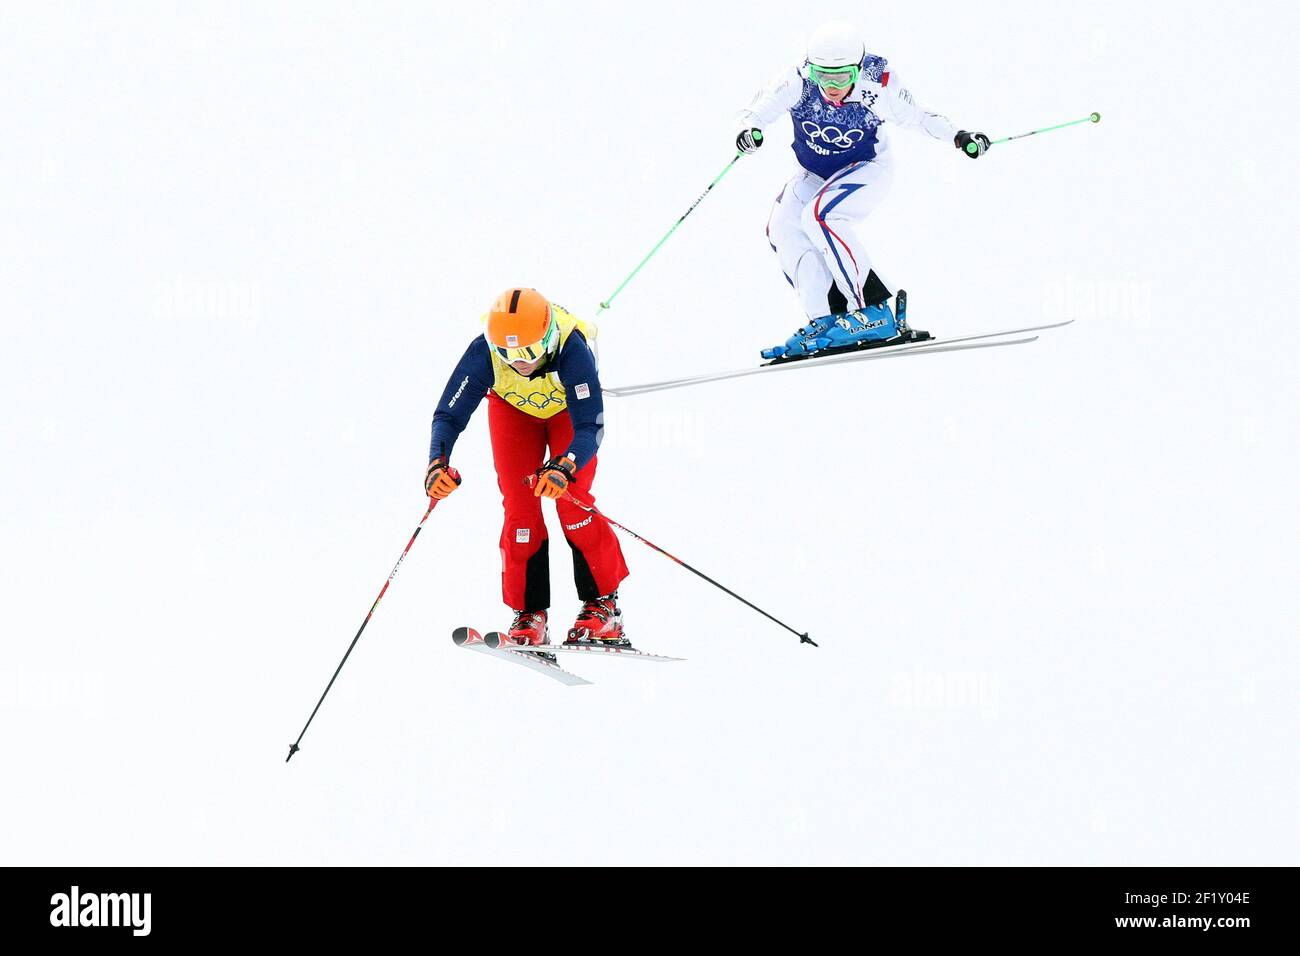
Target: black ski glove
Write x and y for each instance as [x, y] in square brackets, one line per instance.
[748, 140]
[964, 140]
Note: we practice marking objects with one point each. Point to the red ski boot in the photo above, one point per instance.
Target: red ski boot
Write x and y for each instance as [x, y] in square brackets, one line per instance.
[599, 622]
[529, 627]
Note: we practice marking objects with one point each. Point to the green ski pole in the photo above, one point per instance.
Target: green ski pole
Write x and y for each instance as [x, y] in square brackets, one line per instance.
[758, 137]
[972, 148]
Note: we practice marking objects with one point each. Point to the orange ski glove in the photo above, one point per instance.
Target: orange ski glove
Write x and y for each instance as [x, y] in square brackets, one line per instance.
[553, 478]
[441, 479]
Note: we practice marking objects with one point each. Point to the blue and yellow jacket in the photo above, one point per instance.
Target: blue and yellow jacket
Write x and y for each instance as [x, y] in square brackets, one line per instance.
[569, 382]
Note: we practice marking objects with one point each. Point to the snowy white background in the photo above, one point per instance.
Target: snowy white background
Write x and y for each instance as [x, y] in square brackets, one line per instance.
[241, 246]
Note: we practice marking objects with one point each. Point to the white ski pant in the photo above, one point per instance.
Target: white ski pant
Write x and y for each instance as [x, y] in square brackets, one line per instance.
[813, 229]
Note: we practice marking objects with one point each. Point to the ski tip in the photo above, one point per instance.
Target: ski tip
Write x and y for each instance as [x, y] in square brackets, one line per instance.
[464, 635]
[293, 749]
[496, 640]
[805, 639]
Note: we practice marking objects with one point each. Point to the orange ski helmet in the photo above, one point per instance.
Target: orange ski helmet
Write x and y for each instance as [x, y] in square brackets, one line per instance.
[521, 326]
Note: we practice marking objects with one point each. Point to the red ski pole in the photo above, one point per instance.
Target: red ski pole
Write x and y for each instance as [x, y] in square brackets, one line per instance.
[592, 509]
[293, 748]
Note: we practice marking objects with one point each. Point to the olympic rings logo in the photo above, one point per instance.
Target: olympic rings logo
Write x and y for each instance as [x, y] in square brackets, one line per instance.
[832, 135]
[538, 400]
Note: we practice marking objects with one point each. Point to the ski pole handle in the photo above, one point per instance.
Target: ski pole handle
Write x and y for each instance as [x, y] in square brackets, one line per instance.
[1090, 118]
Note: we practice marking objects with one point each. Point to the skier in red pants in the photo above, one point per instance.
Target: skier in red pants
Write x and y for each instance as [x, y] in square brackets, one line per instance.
[540, 379]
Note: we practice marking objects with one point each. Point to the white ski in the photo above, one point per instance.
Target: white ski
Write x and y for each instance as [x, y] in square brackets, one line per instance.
[928, 347]
[627, 653]
[470, 639]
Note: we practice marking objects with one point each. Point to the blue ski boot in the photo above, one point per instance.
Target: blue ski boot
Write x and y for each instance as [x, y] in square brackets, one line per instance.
[804, 341]
[875, 323]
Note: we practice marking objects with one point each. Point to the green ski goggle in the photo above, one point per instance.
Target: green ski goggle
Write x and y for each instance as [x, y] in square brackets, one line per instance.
[834, 77]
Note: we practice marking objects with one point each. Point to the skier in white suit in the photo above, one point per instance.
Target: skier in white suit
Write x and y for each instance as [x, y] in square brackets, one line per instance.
[838, 99]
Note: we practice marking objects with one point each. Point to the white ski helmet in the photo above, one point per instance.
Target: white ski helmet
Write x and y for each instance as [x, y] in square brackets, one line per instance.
[836, 43]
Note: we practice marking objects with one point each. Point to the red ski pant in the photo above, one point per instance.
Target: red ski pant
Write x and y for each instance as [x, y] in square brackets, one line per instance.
[519, 448]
